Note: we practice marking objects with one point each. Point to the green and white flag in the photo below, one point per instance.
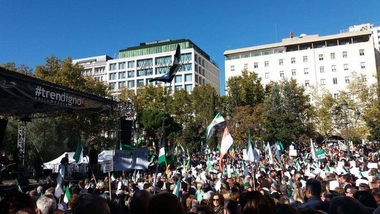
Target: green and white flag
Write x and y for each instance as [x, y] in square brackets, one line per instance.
[321, 154]
[78, 153]
[327, 168]
[67, 195]
[162, 156]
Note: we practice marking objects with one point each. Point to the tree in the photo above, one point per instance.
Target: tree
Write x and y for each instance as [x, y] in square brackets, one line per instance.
[287, 112]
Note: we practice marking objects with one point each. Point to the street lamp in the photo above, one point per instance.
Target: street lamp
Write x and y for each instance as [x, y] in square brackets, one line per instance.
[345, 121]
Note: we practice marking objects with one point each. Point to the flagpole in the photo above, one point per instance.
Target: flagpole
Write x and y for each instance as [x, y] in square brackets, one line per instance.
[162, 133]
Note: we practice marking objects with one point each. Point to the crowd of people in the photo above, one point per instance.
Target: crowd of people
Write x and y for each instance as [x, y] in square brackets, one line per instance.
[335, 182]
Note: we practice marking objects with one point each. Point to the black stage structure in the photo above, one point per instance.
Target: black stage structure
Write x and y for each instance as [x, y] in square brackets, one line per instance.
[24, 97]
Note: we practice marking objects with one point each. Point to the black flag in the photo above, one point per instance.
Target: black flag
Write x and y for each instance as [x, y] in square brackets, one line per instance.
[168, 77]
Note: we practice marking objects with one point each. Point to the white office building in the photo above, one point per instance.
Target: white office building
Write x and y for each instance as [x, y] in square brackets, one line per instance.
[322, 61]
[135, 66]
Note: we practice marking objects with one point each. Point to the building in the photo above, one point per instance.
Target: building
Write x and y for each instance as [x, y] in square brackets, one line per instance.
[321, 61]
[135, 66]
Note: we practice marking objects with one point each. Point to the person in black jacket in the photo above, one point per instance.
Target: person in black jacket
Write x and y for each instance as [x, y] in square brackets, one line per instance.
[312, 192]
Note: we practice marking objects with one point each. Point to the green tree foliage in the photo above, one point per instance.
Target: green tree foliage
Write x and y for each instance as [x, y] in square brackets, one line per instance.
[287, 112]
[245, 89]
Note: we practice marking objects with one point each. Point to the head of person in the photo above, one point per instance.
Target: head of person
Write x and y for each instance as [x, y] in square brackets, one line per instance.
[217, 200]
[165, 202]
[376, 194]
[351, 191]
[254, 201]
[346, 205]
[231, 207]
[87, 203]
[46, 204]
[139, 202]
[313, 188]
[365, 198]
[204, 209]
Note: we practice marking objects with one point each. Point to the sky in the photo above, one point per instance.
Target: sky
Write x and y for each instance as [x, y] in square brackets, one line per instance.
[32, 30]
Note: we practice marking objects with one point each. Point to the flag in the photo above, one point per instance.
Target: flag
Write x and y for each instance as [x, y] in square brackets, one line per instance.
[217, 123]
[270, 155]
[168, 77]
[177, 188]
[327, 168]
[61, 175]
[276, 152]
[67, 195]
[252, 154]
[208, 163]
[113, 177]
[321, 154]
[78, 153]
[19, 188]
[125, 146]
[161, 155]
[280, 146]
[227, 141]
[312, 150]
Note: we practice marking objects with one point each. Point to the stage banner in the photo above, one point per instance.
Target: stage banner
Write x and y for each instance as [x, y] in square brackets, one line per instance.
[131, 159]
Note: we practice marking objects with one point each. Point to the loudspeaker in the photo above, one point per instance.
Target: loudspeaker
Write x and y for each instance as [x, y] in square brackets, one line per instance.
[22, 181]
[126, 131]
[93, 155]
[3, 126]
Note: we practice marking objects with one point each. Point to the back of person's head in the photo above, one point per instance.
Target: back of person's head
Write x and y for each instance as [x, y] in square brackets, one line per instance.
[72, 201]
[346, 205]
[285, 209]
[139, 202]
[310, 211]
[365, 198]
[166, 203]
[231, 206]
[46, 204]
[255, 202]
[26, 211]
[314, 186]
[205, 209]
[15, 201]
[87, 203]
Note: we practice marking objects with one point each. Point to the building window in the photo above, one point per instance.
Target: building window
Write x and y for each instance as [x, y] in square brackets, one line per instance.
[178, 79]
[293, 60]
[323, 81]
[122, 84]
[112, 76]
[178, 87]
[332, 55]
[344, 54]
[267, 75]
[306, 71]
[347, 80]
[131, 84]
[345, 67]
[232, 67]
[131, 74]
[131, 64]
[121, 65]
[362, 65]
[361, 52]
[294, 72]
[266, 63]
[255, 65]
[245, 66]
[335, 81]
[321, 69]
[305, 59]
[281, 61]
[122, 75]
[188, 88]
[112, 66]
[320, 57]
[99, 70]
[112, 85]
[307, 83]
[336, 95]
[333, 68]
[188, 77]
[140, 82]
[281, 73]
